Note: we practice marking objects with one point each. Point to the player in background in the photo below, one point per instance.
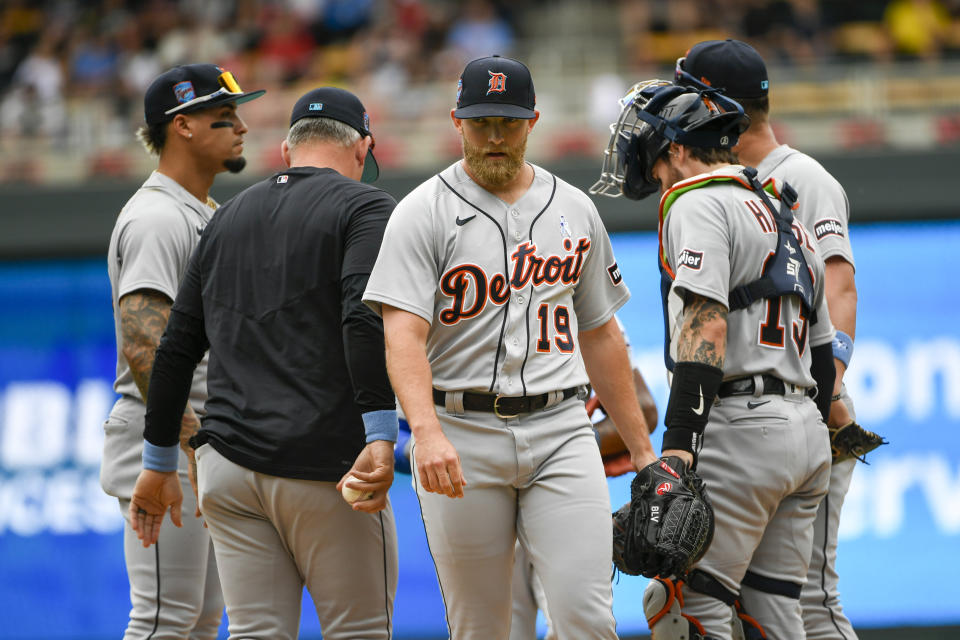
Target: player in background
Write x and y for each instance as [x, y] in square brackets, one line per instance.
[498, 287]
[192, 125]
[737, 69]
[746, 353]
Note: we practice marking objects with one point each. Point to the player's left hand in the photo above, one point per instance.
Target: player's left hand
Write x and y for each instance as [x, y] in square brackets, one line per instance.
[853, 441]
[373, 472]
[154, 493]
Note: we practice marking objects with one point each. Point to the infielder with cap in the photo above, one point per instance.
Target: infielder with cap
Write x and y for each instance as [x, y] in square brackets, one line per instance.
[748, 342]
[193, 126]
[498, 287]
[737, 69]
[299, 395]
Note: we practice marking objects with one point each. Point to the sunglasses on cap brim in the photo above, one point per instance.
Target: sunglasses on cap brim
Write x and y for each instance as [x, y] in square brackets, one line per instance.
[228, 86]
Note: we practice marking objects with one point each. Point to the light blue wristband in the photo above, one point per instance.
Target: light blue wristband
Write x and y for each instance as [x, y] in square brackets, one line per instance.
[160, 458]
[843, 348]
[381, 425]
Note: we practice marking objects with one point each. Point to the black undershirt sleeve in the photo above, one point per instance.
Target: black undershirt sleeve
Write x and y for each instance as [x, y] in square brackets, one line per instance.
[824, 373]
[181, 348]
[363, 343]
[363, 347]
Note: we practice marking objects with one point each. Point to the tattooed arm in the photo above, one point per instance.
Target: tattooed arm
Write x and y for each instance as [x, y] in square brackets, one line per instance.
[703, 337]
[143, 317]
[702, 340]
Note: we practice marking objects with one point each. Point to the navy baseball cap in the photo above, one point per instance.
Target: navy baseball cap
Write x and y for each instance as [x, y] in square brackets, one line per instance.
[190, 87]
[339, 104]
[495, 87]
[730, 65]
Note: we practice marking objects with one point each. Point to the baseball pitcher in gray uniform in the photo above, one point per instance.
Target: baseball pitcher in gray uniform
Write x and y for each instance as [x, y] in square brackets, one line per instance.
[498, 287]
[748, 343]
[193, 126]
[824, 210]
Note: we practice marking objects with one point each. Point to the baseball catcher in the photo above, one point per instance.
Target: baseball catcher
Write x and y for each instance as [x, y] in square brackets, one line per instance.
[668, 523]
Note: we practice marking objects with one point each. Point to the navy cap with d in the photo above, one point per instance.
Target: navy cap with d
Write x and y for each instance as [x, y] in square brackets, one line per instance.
[338, 104]
[190, 87]
[495, 87]
[730, 65]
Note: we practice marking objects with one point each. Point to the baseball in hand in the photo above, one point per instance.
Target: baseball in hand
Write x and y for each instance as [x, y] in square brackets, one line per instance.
[353, 495]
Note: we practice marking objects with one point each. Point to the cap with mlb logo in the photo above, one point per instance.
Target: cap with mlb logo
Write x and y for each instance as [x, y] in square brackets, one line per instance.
[191, 87]
[729, 65]
[495, 87]
[338, 104]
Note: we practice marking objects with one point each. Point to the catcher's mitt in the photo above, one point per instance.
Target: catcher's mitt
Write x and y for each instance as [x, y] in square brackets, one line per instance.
[667, 525]
[853, 441]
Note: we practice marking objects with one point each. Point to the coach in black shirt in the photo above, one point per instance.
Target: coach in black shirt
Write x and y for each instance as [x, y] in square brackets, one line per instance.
[298, 389]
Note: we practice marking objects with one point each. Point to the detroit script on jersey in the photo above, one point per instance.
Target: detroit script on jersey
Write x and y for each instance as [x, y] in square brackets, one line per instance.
[505, 286]
[469, 287]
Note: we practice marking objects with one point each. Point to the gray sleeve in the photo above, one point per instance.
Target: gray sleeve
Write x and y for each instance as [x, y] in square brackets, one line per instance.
[153, 248]
[601, 290]
[406, 273]
[824, 210]
[821, 332]
[697, 247]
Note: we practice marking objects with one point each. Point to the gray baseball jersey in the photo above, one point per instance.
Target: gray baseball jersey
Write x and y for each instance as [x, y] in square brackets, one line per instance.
[724, 240]
[151, 244]
[499, 283]
[822, 206]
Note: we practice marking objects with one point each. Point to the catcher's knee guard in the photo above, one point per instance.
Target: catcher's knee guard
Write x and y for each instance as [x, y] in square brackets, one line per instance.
[662, 601]
[743, 626]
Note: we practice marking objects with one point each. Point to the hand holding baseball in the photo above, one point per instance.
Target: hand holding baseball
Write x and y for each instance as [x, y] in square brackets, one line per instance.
[373, 468]
[352, 495]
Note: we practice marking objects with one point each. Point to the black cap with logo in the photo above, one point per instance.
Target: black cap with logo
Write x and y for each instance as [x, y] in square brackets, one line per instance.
[495, 87]
[191, 87]
[730, 65]
[341, 105]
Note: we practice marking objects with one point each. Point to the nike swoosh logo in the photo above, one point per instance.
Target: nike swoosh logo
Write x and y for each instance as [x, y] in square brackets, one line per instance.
[754, 405]
[199, 230]
[699, 410]
[463, 221]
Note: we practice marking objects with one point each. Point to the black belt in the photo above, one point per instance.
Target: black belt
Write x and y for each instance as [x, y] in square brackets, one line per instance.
[505, 406]
[746, 387]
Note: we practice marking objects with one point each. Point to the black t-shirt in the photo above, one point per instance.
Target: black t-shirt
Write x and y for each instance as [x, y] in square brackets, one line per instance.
[274, 288]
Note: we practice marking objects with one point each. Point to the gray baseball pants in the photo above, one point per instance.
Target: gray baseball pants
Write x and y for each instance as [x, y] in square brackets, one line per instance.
[766, 471]
[174, 586]
[273, 536]
[528, 598]
[538, 479]
[823, 615]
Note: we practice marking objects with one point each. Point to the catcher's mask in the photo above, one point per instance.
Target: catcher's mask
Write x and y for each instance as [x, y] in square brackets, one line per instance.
[653, 114]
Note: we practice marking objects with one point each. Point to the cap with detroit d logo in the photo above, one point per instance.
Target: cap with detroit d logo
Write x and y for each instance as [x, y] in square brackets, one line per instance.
[341, 105]
[191, 87]
[495, 87]
[730, 65]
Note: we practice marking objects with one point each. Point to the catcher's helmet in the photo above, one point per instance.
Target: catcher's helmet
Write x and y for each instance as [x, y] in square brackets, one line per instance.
[653, 114]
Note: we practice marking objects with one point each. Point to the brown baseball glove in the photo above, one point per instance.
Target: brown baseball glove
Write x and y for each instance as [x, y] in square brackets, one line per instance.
[853, 441]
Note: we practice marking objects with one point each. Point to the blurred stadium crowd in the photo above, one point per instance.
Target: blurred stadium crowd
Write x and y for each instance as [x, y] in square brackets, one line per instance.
[73, 73]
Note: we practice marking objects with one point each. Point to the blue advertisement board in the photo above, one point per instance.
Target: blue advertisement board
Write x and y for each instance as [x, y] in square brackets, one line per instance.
[61, 563]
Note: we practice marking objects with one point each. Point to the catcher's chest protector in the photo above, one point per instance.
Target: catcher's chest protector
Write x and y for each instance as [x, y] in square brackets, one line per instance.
[785, 272]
